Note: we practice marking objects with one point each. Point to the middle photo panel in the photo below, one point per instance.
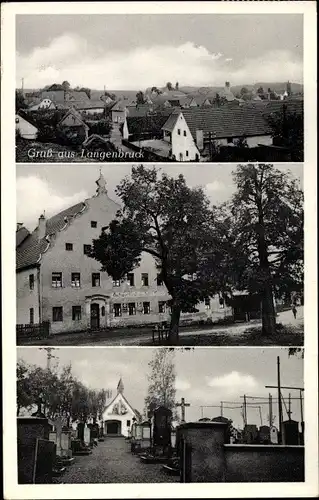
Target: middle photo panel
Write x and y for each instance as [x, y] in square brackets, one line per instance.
[188, 255]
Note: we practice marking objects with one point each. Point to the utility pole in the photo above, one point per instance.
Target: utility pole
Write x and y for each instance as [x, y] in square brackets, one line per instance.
[270, 410]
[279, 401]
[49, 355]
[183, 405]
[245, 410]
[221, 409]
[22, 86]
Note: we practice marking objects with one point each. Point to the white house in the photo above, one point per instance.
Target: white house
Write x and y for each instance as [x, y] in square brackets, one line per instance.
[177, 133]
[44, 104]
[118, 415]
[26, 129]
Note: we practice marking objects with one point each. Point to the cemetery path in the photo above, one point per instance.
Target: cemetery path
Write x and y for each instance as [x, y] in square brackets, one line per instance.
[112, 462]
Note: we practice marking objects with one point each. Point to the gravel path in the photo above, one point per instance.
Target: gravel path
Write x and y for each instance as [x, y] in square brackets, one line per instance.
[112, 462]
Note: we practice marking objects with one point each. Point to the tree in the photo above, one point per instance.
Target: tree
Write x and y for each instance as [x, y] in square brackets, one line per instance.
[244, 91]
[175, 224]
[176, 86]
[169, 86]
[267, 211]
[24, 395]
[260, 90]
[156, 90]
[86, 90]
[66, 85]
[140, 98]
[161, 381]
[20, 101]
[288, 131]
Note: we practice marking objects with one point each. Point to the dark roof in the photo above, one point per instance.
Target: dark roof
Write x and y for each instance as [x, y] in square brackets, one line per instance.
[171, 122]
[227, 121]
[30, 250]
[21, 235]
[87, 104]
[147, 124]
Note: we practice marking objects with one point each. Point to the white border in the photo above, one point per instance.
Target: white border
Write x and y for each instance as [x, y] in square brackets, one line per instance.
[226, 490]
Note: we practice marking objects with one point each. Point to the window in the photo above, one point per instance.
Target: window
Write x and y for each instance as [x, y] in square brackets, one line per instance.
[76, 313]
[69, 247]
[146, 308]
[221, 302]
[57, 313]
[31, 321]
[230, 140]
[56, 280]
[75, 280]
[86, 249]
[93, 223]
[128, 423]
[117, 310]
[159, 280]
[96, 280]
[186, 154]
[179, 131]
[144, 279]
[116, 282]
[130, 279]
[180, 156]
[161, 307]
[131, 309]
[185, 133]
[207, 303]
[103, 311]
[31, 281]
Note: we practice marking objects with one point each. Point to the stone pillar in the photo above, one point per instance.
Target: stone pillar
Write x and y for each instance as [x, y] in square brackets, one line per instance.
[203, 454]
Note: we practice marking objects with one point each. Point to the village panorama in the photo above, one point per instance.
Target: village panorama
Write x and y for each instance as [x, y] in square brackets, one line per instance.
[138, 255]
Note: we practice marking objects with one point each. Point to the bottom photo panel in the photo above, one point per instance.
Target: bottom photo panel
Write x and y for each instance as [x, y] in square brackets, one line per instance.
[159, 415]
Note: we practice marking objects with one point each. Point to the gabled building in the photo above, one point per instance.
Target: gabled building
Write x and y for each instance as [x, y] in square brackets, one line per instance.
[57, 280]
[26, 128]
[118, 415]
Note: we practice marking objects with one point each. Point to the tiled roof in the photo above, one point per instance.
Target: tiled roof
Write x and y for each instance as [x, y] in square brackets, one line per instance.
[227, 122]
[171, 122]
[87, 104]
[77, 95]
[29, 251]
[54, 95]
[147, 124]
[21, 235]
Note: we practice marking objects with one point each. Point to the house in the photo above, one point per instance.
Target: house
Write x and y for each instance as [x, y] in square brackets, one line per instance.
[190, 130]
[72, 120]
[197, 101]
[142, 126]
[26, 129]
[88, 107]
[118, 112]
[57, 280]
[43, 104]
[118, 415]
[56, 96]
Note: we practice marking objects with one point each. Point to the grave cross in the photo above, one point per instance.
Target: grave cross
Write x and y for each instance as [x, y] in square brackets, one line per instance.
[183, 405]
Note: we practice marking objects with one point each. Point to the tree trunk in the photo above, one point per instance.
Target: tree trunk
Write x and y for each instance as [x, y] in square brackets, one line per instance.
[268, 312]
[174, 326]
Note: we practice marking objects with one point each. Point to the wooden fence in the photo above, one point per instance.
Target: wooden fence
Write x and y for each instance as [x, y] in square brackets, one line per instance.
[33, 332]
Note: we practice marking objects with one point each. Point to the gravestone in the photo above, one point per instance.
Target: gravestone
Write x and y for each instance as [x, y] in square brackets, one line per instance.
[162, 430]
[29, 429]
[273, 435]
[173, 438]
[264, 434]
[44, 461]
[80, 430]
[291, 432]
[66, 443]
[87, 435]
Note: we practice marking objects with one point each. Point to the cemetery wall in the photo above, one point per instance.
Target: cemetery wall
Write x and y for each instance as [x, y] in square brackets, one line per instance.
[249, 463]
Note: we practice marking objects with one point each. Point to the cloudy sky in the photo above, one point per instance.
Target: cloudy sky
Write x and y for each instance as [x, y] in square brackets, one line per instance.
[55, 187]
[203, 376]
[137, 51]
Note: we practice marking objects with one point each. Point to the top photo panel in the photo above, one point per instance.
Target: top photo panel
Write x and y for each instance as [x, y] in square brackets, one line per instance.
[156, 88]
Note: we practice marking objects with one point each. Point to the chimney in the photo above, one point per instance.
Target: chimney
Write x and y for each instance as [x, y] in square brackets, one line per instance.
[19, 225]
[41, 227]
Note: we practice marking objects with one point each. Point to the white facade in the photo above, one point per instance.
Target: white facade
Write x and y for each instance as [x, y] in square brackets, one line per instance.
[118, 417]
[26, 129]
[182, 142]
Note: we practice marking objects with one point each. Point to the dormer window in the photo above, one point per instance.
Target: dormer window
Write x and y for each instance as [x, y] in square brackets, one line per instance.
[93, 223]
[69, 247]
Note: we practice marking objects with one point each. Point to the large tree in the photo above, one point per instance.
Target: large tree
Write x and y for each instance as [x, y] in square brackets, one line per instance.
[175, 224]
[267, 212]
[161, 381]
[288, 131]
[20, 101]
[140, 98]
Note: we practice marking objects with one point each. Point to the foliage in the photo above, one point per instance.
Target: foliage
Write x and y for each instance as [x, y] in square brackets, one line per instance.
[267, 220]
[20, 101]
[175, 224]
[169, 86]
[140, 98]
[288, 131]
[161, 381]
[260, 90]
[296, 351]
[156, 90]
[66, 85]
[101, 127]
[60, 394]
[176, 86]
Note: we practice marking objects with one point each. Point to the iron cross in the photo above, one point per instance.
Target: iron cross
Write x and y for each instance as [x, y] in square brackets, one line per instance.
[183, 405]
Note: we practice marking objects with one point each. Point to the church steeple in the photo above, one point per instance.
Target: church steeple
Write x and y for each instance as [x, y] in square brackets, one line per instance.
[120, 386]
[101, 183]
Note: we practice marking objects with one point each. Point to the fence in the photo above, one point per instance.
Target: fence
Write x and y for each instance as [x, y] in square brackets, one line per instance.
[33, 332]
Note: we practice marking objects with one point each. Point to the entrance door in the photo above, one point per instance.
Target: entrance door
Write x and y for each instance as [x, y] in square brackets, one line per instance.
[113, 427]
[95, 316]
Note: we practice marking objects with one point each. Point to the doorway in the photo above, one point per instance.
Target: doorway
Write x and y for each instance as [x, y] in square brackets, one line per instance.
[113, 427]
[95, 316]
